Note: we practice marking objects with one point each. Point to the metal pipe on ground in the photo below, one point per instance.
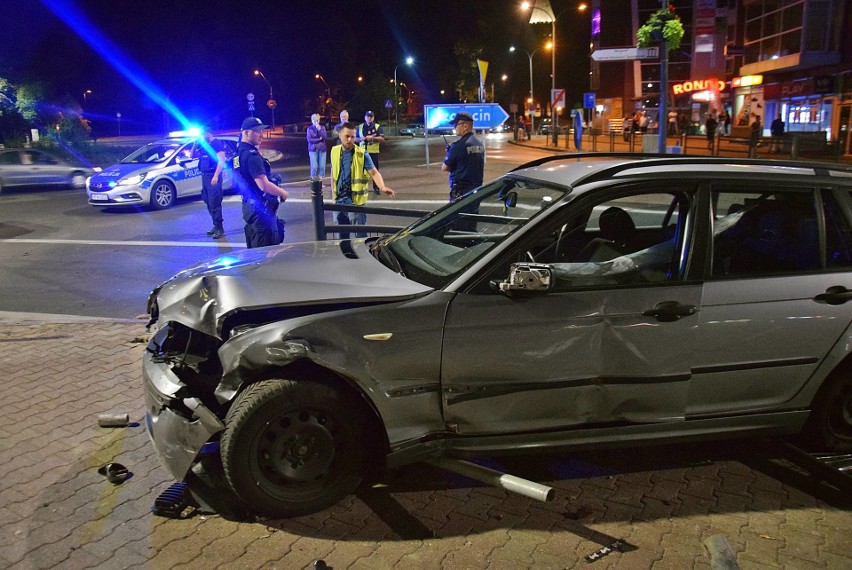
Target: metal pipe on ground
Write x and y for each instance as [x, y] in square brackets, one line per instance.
[494, 478]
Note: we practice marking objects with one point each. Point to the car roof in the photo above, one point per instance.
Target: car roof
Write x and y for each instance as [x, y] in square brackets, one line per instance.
[577, 169]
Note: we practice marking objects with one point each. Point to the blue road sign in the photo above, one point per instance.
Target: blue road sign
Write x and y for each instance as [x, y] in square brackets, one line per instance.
[485, 115]
[589, 100]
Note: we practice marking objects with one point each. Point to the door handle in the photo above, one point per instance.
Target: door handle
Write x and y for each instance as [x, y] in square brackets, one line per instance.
[836, 295]
[670, 311]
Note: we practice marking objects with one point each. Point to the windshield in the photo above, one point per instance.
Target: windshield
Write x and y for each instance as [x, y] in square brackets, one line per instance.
[443, 244]
[152, 153]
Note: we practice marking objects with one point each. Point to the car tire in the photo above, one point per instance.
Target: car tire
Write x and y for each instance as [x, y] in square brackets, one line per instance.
[293, 447]
[162, 195]
[78, 180]
[829, 426]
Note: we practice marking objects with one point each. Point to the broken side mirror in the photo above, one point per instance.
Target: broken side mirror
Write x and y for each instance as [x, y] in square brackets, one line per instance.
[527, 278]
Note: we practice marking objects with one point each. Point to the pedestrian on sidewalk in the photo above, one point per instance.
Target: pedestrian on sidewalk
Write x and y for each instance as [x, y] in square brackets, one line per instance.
[710, 125]
[351, 170]
[754, 137]
[369, 135]
[316, 136]
[776, 129]
[211, 160]
[528, 126]
[335, 133]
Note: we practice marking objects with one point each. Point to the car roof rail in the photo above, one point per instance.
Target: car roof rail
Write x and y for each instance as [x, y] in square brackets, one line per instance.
[648, 159]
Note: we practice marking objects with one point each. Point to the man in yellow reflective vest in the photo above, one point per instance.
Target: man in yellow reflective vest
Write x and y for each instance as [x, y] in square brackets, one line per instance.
[351, 169]
[369, 135]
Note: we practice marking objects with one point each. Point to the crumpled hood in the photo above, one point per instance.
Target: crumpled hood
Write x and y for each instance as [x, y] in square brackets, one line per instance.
[319, 272]
[118, 171]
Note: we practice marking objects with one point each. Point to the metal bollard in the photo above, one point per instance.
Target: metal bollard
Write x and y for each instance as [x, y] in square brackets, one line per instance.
[318, 210]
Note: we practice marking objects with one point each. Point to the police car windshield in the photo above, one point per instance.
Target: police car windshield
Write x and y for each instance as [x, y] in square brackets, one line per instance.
[435, 249]
[152, 153]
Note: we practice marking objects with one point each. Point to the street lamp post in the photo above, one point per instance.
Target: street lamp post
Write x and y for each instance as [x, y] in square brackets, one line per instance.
[532, 97]
[550, 17]
[86, 93]
[327, 92]
[408, 61]
[271, 99]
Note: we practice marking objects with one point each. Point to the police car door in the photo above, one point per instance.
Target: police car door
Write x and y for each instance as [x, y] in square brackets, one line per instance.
[184, 170]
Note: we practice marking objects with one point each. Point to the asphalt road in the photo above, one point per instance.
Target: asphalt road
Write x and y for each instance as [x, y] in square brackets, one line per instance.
[58, 255]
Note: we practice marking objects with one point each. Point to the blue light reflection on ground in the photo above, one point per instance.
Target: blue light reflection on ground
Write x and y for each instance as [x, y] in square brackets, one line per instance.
[74, 19]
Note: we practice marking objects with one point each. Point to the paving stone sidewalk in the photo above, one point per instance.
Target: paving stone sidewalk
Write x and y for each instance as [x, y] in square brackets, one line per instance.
[56, 511]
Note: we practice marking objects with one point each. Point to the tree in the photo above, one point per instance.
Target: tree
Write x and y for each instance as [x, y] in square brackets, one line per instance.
[12, 123]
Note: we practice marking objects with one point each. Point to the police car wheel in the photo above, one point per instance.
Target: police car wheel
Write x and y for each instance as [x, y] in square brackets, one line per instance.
[162, 195]
[294, 447]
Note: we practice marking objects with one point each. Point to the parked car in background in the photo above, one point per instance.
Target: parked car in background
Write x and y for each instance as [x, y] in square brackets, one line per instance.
[412, 130]
[574, 302]
[157, 174]
[504, 128]
[33, 167]
[545, 126]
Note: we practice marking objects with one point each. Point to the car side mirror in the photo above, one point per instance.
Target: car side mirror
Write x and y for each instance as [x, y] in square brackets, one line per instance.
[527, 278]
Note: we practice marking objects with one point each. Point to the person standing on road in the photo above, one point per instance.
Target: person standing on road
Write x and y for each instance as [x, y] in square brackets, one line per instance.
[465, 160]
[369, 135]
[335, 133]
[528, 126]
[710, 125]
[351, 169]
[776, 129]
[211, 160]
[316, 148]
[261, 196]
[754, 136]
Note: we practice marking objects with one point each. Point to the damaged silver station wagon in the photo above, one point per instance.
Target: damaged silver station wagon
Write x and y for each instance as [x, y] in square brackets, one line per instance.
[575, 302]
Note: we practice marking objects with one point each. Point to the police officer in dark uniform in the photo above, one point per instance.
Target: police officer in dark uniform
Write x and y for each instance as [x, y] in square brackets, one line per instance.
[261, 195]
[211, 160]
[465, 159]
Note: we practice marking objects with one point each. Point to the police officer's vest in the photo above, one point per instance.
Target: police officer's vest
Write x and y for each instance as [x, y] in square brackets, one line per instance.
[359, 176]
[372, 147]
[245, 183]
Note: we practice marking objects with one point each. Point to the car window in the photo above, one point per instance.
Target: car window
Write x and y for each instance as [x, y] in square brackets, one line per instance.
[764, 233]
[152, 153]
[10, 158]
[630, 240]
[43, 158]
[838, 234]
[441, 245]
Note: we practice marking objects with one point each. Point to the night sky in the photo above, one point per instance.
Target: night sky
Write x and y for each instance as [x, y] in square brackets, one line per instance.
[200, 55]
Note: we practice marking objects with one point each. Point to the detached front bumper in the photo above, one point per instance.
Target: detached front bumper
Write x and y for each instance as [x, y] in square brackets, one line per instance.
[178, 426]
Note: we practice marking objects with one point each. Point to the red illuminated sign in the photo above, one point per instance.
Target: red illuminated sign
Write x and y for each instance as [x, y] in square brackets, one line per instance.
[698, 85]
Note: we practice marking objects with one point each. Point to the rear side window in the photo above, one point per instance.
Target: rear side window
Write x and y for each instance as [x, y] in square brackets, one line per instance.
[764, 233]
[838, 236]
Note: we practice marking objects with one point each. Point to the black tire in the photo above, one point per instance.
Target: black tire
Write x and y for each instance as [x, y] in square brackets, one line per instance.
[294, 447]
[162, 195]
[830, 424]
[78, 180]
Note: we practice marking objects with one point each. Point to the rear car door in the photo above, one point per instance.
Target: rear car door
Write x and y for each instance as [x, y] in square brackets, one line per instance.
[612, 342]
[764, 325]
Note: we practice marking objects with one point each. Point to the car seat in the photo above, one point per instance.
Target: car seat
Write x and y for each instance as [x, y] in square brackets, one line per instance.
[617, 232]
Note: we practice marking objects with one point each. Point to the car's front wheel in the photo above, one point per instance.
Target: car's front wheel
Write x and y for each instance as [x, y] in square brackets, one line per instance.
[78, 180]
[830, 423]
[162, 195]
[293, 447]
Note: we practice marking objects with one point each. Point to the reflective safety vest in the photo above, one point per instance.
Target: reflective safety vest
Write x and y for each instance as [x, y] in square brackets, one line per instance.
[372, 147]
[358, 174]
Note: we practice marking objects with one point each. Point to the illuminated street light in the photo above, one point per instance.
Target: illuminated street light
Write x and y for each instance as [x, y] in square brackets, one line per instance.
[550, 17]
[86, 93]
[531, 99]
[409, 61]
[271, 98]
[327, 92]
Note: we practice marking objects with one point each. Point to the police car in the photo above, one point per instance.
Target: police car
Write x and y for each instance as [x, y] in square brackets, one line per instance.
[156, 174]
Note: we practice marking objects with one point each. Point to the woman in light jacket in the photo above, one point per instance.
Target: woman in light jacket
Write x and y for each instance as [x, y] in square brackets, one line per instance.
[316, 148]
